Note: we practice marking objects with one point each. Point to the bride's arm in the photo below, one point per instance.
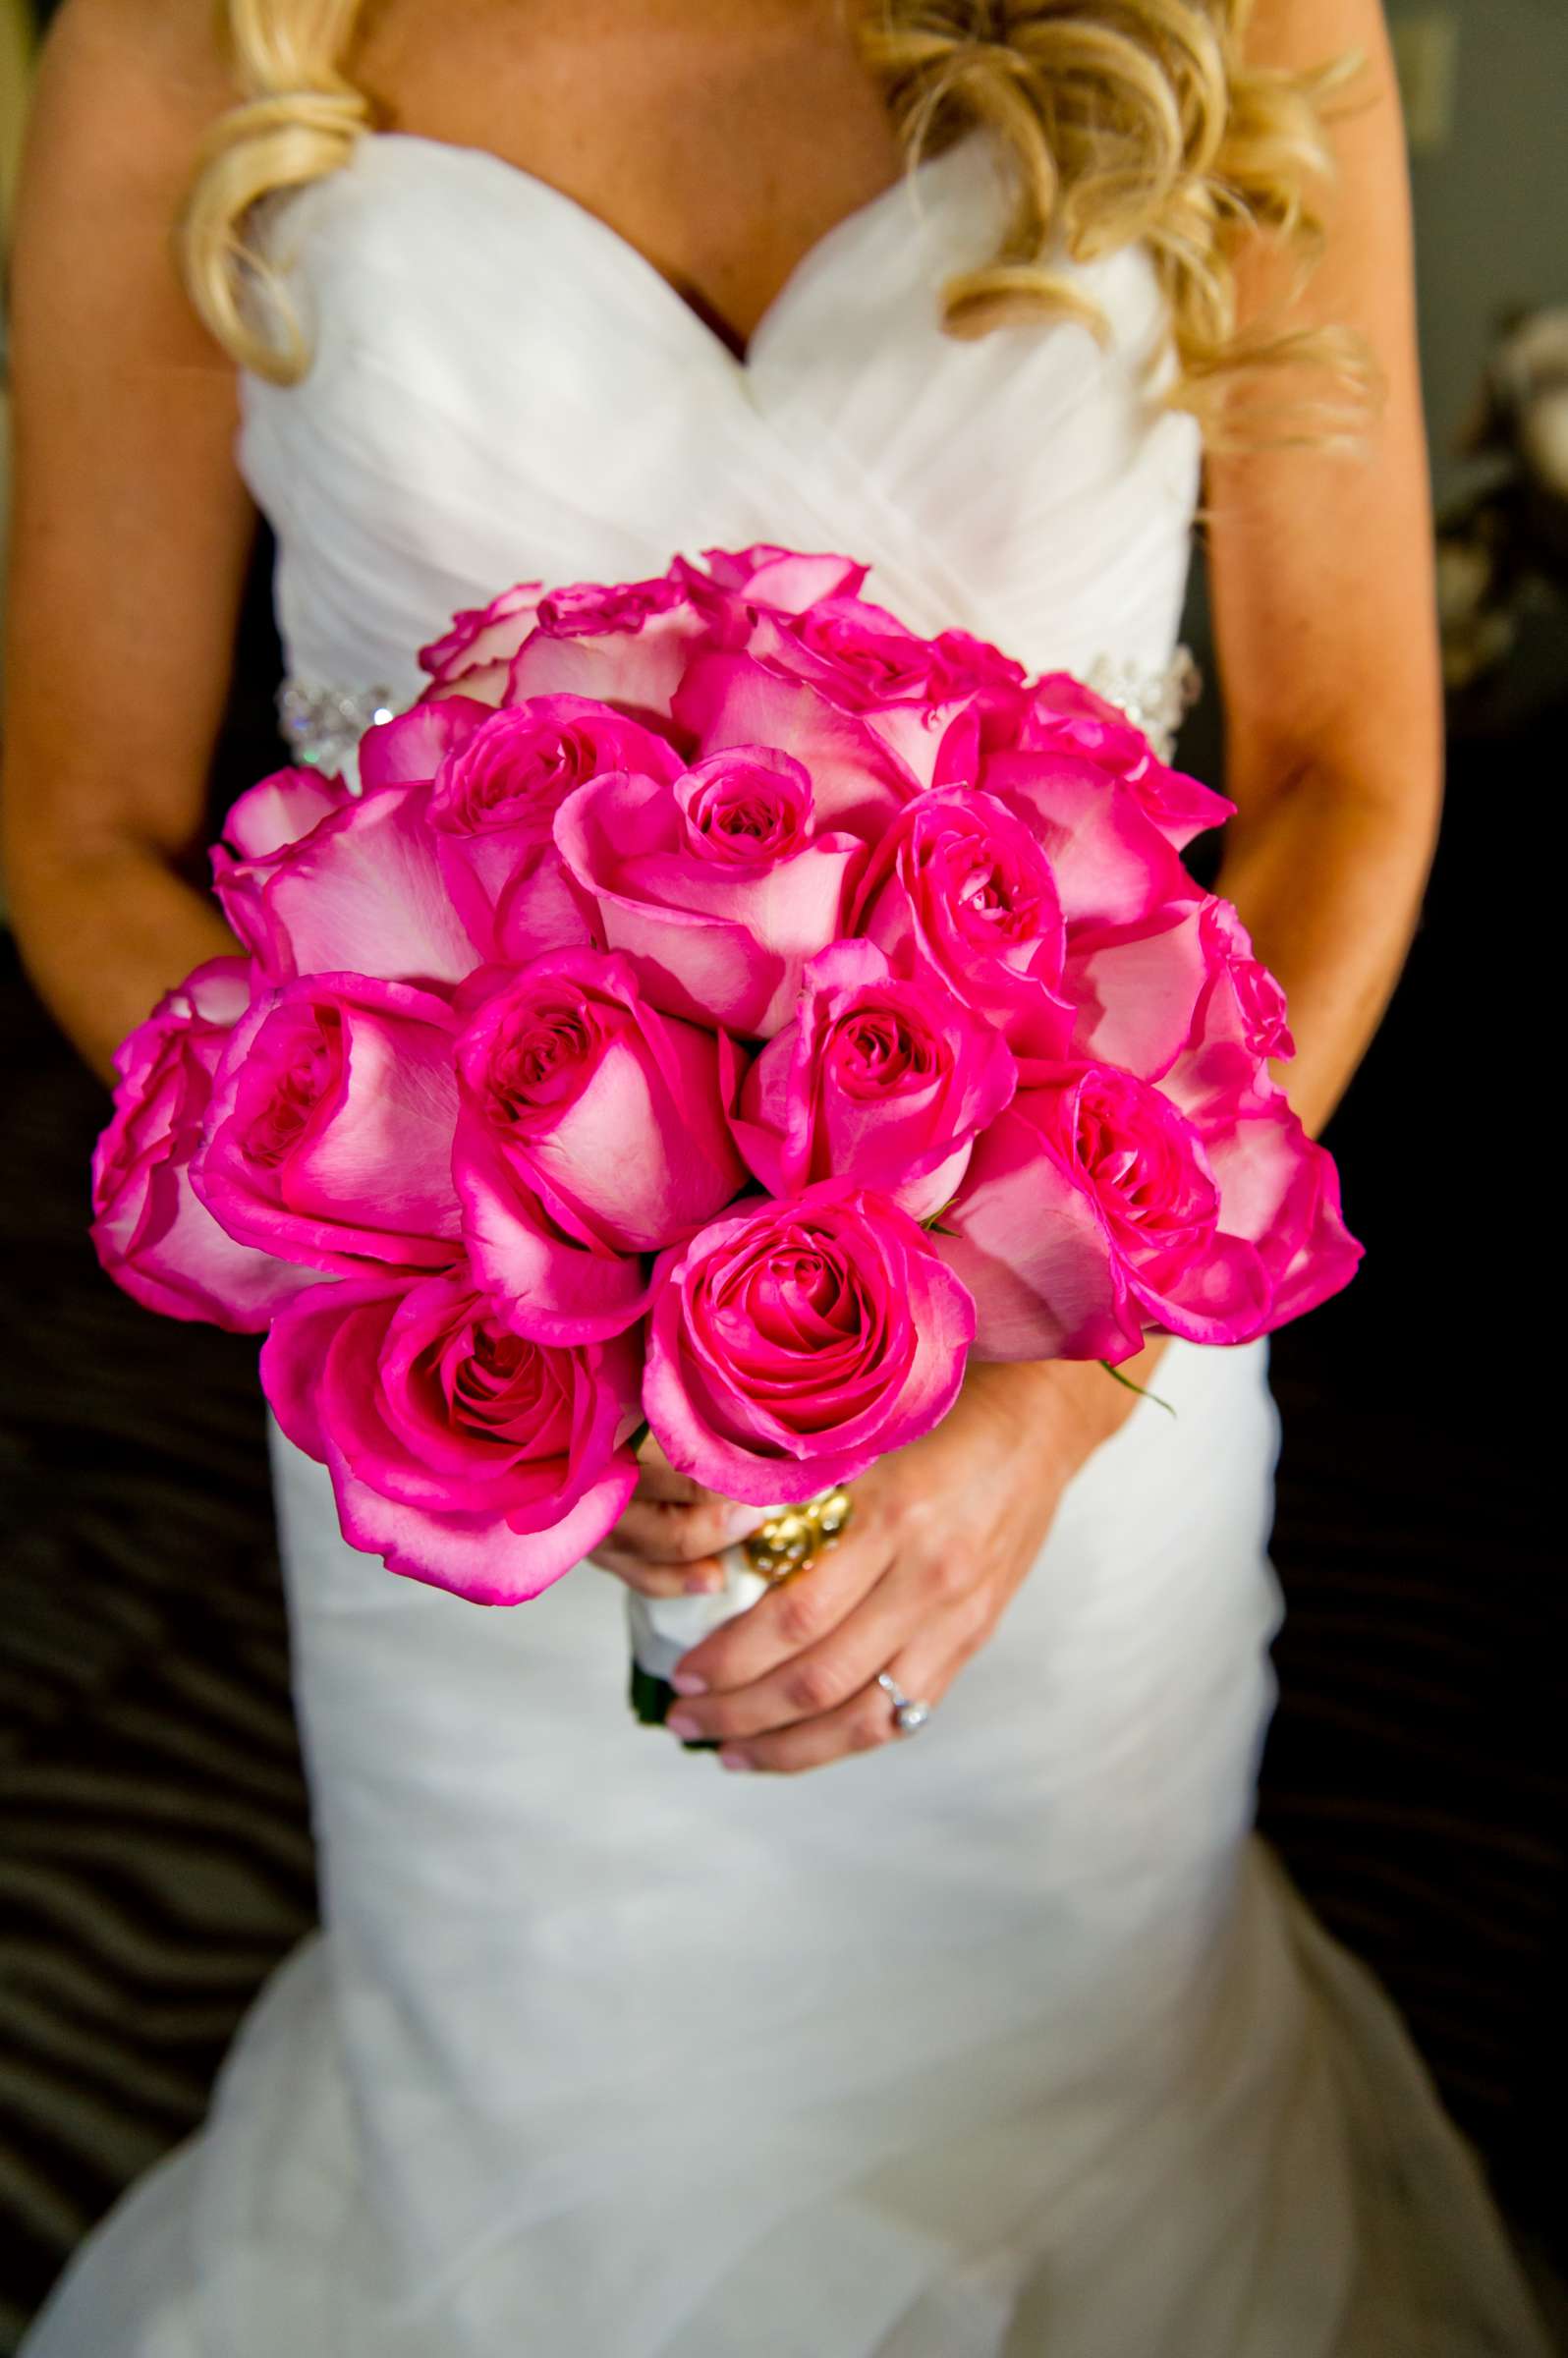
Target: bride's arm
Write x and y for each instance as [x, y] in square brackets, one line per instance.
[131, 527]
[1321, 574]
[1321, 570]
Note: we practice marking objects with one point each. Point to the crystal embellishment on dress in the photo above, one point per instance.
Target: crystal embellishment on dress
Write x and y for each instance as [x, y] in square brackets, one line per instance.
[1156, 701]
[322, 726]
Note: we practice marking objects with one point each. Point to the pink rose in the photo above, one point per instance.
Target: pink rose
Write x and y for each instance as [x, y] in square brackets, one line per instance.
[1109, 814]
[1061, 695]
[792, 1344]
[493, 808]
[361, 893]
[475, 654]
[862, 655]
[1136, 989]
[765, 575]
[960, 886]
[152, 1233]
[607, 1112]
[1112, 866]
[1091, 1208]
[1278, 1187]
[866, 660]
[1240, 1019]
[880, 1080]
[971, 663]
[728, 701]
[1239, 1024]
[627, 644]
[1280, 1190]
[460, 1453]
[330, 1134]
[1066, 718]
[409, 748]
[718, 886]
[927, 701]
[279, 810]
[874, 713]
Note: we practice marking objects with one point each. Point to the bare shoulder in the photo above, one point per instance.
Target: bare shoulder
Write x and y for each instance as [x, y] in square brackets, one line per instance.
[126, 90]
[169, 47]
[1321, 557]
[1299, 36]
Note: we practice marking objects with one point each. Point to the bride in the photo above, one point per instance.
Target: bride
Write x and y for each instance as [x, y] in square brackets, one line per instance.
[1007, 2039]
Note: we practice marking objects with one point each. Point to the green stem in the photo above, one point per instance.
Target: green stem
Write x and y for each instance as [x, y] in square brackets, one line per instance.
[1128, 1386]
[652, 1700]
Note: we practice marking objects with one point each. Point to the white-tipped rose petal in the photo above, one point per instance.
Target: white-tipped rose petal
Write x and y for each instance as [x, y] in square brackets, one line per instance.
[792, 1344]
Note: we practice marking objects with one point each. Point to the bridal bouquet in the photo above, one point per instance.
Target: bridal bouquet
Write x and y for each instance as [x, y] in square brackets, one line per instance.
[714, 1009]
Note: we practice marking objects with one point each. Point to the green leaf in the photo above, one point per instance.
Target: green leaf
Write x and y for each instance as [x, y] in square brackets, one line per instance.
[1128, 1386]
[640, 1437]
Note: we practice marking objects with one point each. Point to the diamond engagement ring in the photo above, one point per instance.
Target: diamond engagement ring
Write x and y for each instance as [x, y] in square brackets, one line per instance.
[908, 1715]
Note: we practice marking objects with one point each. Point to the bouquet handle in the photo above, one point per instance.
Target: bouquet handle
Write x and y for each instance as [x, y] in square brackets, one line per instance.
[787, 1539]
[663, 1628]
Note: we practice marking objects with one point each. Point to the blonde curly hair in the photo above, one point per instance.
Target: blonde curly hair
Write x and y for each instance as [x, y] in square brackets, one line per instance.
[1116, 122]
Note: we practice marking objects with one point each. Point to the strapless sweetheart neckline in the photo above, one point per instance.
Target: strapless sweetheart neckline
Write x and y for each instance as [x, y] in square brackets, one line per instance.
[734, 352]
[503, 386]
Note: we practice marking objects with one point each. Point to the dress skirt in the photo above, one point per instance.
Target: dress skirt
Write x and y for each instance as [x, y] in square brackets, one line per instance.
[1010, 2041]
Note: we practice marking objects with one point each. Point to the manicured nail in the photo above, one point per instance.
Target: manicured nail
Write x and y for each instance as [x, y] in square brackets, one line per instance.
[702, 1584]
[735, 1760]
[681, 1723]
[687, 1683]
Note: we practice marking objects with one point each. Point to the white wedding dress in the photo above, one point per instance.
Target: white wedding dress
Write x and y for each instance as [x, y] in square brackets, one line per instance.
[1005, 2043]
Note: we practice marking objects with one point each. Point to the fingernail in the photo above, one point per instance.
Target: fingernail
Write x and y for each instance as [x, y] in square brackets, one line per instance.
[702, 1584]
[681, 1723]
[687, 1683]
[734, 1760]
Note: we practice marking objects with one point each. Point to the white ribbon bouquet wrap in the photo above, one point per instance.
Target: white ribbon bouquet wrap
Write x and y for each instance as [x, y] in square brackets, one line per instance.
[786, 1539]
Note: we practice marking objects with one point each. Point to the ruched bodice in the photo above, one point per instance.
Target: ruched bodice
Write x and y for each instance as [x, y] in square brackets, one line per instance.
[502, 386]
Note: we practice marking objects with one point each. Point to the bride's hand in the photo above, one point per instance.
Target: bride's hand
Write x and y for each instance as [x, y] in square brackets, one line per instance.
[668, 1541]
[944, 1533]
